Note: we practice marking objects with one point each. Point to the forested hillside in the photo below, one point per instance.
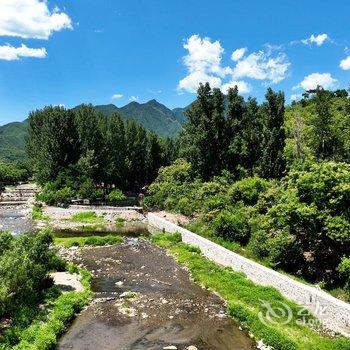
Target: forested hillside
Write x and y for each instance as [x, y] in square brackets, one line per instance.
[12, 141]
[153, 115]
[267, 181]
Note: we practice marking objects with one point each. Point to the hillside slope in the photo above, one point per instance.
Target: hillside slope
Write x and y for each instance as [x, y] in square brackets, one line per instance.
[12, 141]
[152, 115]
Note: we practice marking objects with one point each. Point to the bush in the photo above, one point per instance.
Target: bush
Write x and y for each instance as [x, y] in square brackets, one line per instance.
[116, 196]
[88, 190]
[53, 196]
[233, 225]
[344, 269]
[248, 190]
[24, 264]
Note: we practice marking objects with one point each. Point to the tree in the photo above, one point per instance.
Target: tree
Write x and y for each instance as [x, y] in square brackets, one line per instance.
[154, 156]
[235, 129]
[273, 162]
[325, 141]
[116, 146]
[252, 136]
[203, 140]
[89, 124]
[52, 143]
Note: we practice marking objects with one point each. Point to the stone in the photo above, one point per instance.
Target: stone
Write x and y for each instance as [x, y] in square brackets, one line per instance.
[170, 347]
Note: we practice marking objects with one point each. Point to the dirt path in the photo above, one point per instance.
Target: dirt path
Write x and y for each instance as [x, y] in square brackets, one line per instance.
[164, 309]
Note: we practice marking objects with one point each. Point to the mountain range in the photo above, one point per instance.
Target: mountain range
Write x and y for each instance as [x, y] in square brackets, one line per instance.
[152, 115]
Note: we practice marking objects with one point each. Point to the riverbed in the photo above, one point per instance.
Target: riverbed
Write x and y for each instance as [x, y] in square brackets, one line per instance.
[144, 300]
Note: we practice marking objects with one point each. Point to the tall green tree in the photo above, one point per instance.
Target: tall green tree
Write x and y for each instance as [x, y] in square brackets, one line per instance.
[203, 139]
[52, 142]
[116, 151]
[89, 124]
[325, 140]
[273, 161]
[235, 127]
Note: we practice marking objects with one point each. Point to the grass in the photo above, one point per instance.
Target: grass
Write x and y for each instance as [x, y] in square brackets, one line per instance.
[201, 228]
[120, 221]
[88, 217]
[49, 322]
[88, 241]
[244, 301]
[37, 213]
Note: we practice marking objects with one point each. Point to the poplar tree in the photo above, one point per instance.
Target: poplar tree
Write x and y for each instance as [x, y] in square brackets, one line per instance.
[273, 161]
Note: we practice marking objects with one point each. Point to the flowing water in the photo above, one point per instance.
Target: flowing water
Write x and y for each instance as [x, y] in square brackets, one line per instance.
[169, 309]
[15, 209]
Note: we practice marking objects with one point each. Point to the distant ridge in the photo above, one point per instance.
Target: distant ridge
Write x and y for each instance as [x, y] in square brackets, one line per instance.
[152, 115]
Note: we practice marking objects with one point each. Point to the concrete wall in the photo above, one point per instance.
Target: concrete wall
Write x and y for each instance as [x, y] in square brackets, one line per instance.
[332, 312]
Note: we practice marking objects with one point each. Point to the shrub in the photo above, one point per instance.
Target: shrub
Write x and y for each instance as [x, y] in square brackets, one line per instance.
[233, 225]
[344, 269]
[88, 190]
[116, 196]
[248, 190]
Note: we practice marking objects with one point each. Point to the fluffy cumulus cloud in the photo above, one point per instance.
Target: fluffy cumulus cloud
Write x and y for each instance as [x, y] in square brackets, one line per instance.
[191, 82]
[238, 54]
[315, 39]
[204, 64]
[243, 87]
[116, 96]
[134, 98]
[318, 79]
[31, 19]
[345, 63]
[262, 66]
[10, 53]
[296, 97]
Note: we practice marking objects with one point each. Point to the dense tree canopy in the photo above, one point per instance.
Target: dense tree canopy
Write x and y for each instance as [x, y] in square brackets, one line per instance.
[74, 150]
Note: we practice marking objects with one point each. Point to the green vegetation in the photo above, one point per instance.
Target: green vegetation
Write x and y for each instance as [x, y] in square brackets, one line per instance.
[116, 196]
[88, 217]
[36, 311]
[80, 154]
[151, 115]
[13, 141]
[14, 172]
[259, 179]
[89, 241]
[37, 213]
[43, 333]
[244, 301]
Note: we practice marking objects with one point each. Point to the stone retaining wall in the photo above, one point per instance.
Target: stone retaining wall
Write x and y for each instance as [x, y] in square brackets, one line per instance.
[332, 312]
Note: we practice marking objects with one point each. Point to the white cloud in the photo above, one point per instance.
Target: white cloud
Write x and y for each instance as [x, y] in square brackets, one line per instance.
[238, 54]
[345, 63]
[10, 53]
[134, 98]
[116, 96]
[315, 39]
[296, 97]
[191, 82]
[318, 79]
[204, 64]
[242, 86]
[203, 55]
[31, 19]
[261, 66]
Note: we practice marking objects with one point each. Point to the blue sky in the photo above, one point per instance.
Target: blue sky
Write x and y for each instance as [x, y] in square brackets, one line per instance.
[69, 52]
